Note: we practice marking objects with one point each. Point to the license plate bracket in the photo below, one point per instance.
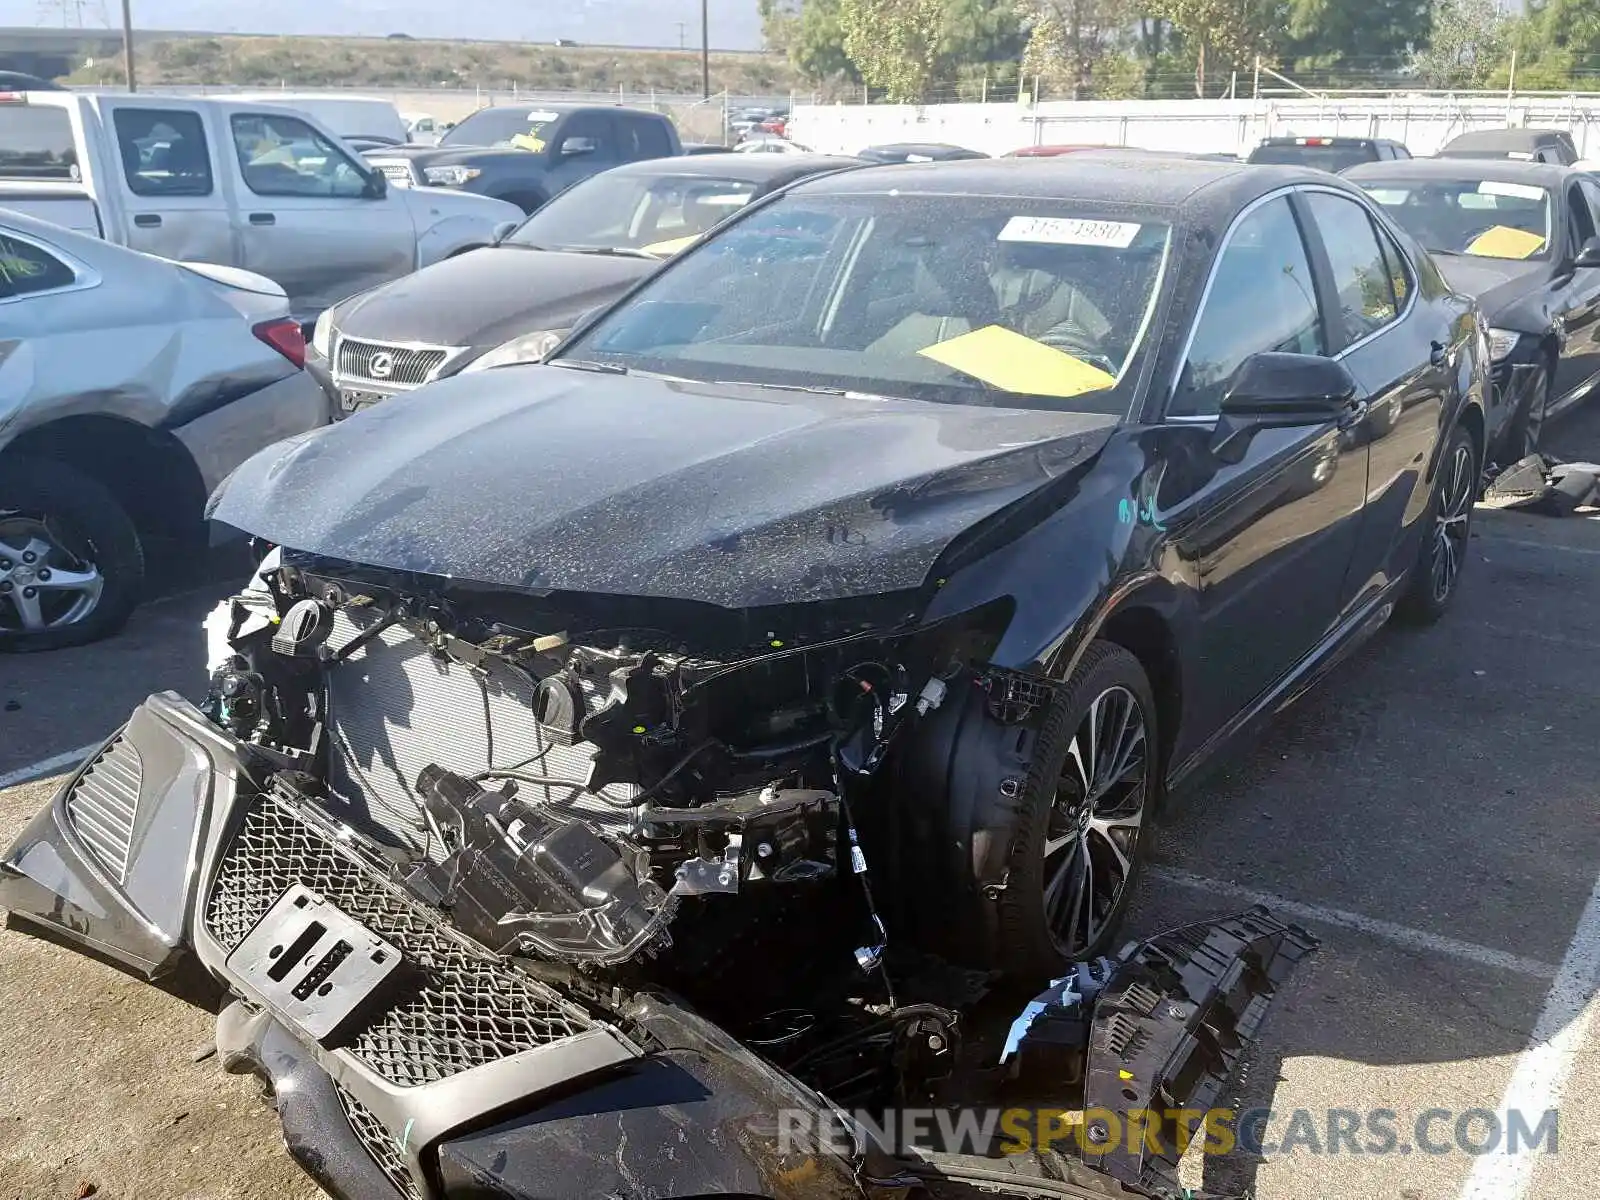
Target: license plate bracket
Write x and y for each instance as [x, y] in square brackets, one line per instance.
[316, 966]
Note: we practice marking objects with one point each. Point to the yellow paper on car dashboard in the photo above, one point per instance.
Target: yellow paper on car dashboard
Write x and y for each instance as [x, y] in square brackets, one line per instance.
[671, 246]
[1014, 363]
[1502, 241]
[526, 141]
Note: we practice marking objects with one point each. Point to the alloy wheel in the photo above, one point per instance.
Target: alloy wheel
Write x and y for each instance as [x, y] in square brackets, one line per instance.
[43, 585]
[1096, 821]
[1451, 523]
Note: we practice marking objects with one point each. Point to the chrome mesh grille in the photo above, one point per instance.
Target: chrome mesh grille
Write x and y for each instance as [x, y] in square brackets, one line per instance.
[459, 1007]
[104, 802]
[408, 366]
[398, 171]
[395, 707]
[379, 1143]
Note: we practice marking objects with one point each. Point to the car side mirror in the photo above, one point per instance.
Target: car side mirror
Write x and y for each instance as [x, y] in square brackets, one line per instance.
[575, 147]
[377, 186]
[1588, 254]
[504, 230]
[1280, 391]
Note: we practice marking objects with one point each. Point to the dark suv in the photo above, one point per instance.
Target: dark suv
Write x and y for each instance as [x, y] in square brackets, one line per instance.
[527, 153]
[1327, 153]
[1521, 145]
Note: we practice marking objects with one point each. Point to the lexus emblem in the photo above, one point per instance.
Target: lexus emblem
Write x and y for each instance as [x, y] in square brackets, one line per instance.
[382, 365]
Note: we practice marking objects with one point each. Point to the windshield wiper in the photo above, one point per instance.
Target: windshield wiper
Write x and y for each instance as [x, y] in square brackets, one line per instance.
[612, 252]
[581, 364]
[809, 388]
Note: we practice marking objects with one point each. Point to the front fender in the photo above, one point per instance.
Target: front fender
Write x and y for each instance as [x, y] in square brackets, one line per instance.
[446, 227]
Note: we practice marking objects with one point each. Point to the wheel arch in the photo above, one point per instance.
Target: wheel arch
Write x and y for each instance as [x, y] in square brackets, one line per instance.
[1144, 630]
[149, 471]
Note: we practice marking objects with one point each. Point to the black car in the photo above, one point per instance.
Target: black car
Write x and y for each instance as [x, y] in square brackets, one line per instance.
[513, 301]
[1333, 154]
[1522, 238]
[915, 152]
[1524, 145]
[527, 153]
[618, 756]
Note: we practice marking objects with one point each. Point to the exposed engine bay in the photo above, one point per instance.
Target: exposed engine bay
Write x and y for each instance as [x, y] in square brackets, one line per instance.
[618, 812]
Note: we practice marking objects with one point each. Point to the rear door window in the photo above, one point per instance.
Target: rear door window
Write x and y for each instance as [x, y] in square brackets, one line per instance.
[164, 152]
[26, 269]
[36, 143]
[1361, 276]
[644, 138]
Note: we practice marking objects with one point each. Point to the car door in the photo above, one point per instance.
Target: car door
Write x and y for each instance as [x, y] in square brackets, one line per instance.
[314, 219]
[1265, 541]
[171, 180]
[642, 137]
[584, 145]
[1578, 299]
[1403, 352]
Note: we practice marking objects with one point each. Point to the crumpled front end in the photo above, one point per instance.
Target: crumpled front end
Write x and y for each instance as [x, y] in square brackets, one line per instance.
[521, 914]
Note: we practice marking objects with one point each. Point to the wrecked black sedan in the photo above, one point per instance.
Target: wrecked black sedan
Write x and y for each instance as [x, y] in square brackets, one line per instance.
[649, 772]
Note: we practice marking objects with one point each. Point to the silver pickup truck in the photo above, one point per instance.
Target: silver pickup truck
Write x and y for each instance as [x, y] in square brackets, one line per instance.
[238, 183]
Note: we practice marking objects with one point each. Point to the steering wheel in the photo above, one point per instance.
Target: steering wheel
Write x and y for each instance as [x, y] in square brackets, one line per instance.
[1080, 344]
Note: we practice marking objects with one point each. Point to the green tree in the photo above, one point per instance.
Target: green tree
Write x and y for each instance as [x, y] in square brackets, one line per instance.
[817, 44]
[1355, 37]
[1070, 41]
[1468, 42]
[780, 20]
[1225, 35]
[895, 44]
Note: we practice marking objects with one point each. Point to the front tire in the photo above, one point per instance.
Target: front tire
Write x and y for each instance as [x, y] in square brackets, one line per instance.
[71, 563]
[1446, 534]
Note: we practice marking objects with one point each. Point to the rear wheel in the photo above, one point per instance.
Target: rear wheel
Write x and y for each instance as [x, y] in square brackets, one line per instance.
[1443, 552]
[71, 564]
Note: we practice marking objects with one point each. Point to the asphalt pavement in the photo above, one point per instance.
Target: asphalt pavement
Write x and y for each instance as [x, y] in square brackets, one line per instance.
[1429, 812]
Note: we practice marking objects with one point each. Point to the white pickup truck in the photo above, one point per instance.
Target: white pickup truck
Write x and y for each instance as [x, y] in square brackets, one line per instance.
[239, 183]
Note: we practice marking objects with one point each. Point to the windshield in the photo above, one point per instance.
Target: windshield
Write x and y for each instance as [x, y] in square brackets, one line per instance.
[1484, 218]
[996, 301]
[509, 128]
[1323, 158]
[634, 212]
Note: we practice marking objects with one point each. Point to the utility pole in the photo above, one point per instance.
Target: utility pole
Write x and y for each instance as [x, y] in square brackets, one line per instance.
[683, 37]
[127, 44]
[705, 49]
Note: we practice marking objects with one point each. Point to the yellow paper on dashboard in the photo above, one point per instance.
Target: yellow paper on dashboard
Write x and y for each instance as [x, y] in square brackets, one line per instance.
[1502, 241]
[1014, 363]
[671, 246]
[527, 141]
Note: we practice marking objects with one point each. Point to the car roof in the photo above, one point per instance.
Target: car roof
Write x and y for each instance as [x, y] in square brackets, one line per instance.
[918, 148]
[1494, 169]
[1318, 139]
[1204, 187]
[1505, 139]
[754, 168]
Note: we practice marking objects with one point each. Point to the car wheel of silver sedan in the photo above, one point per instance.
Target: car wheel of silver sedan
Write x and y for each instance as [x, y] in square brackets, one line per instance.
[71, 565]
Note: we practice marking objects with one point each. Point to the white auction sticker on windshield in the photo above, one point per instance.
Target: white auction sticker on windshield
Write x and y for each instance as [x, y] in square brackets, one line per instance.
[1517, 191]
[1070, 231]
[541, 118]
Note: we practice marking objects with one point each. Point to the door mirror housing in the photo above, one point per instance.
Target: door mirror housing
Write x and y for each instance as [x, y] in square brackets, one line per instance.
[1588, 254]
[377, 186]
[576, 147]
[1280, 391]
[504, 230]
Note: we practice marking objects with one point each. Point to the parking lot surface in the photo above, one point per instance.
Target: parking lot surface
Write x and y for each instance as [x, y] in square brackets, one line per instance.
[1429, 812]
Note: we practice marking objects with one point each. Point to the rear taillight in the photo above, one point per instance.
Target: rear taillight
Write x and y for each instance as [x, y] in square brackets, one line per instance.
[286, 337]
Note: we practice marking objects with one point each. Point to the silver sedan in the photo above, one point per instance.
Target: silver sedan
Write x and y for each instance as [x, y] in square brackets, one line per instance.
[129, 387]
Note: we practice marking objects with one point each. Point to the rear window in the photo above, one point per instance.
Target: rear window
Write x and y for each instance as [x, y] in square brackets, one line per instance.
[1323, 158]
[36, 143]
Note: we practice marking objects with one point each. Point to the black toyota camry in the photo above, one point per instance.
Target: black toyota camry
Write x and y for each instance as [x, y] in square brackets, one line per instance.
[619, 765]
[1523, 239]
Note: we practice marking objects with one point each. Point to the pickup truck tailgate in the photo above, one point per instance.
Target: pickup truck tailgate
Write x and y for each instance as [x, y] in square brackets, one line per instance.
[63, 205]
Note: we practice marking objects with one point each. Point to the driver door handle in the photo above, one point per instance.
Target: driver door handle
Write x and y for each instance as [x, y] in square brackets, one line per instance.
[263, 219]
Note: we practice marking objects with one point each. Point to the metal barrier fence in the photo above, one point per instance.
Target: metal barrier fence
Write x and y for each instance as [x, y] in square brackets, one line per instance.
[1422, 121]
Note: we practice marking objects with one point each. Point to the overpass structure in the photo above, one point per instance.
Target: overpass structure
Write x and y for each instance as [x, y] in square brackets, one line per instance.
[53, 52]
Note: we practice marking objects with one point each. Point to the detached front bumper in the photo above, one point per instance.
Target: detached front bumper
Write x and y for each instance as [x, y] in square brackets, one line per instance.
[466, 1076]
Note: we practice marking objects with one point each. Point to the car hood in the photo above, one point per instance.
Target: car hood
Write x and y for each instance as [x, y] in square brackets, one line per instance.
[1496, 283]
[489, 296]
[553, 479]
